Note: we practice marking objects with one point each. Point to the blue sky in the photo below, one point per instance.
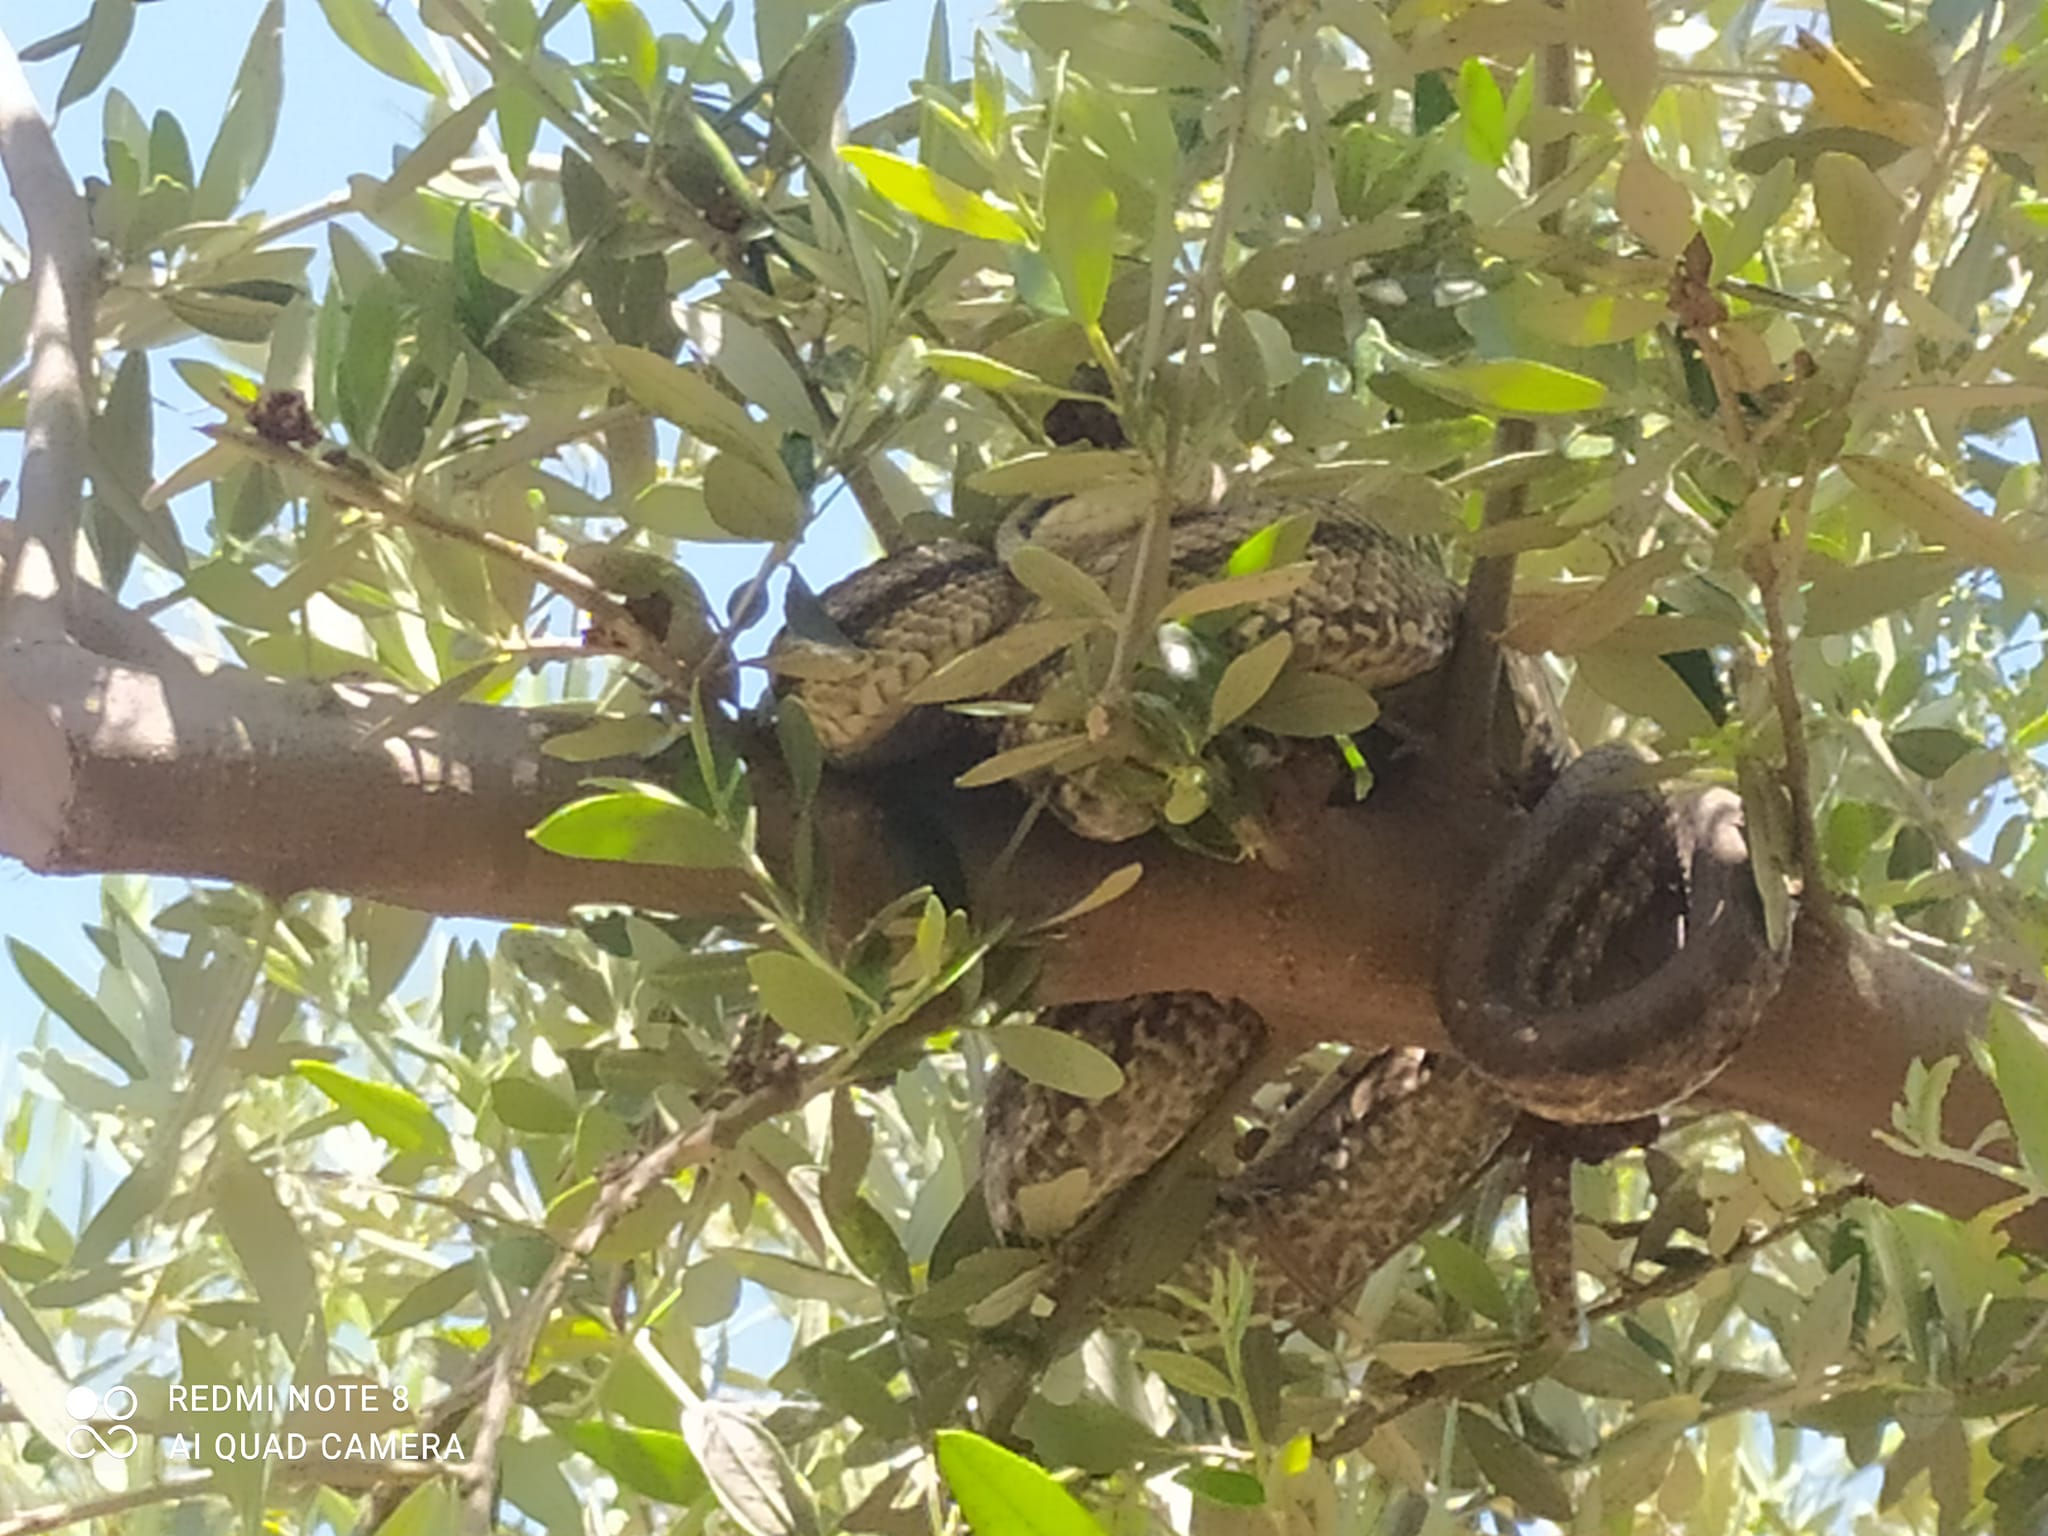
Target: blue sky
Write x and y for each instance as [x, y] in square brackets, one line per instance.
[339, 117]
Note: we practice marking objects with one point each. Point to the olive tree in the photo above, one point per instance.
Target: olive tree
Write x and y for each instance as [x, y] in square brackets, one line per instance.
[1705, 343]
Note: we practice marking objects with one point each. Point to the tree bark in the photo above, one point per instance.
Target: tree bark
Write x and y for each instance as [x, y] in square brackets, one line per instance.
[112, 766]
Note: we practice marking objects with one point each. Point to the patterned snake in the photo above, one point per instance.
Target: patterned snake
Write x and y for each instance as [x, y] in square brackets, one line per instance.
[1608, 965]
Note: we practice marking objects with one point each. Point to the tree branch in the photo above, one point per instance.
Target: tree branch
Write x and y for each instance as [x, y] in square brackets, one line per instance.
[231, 777]
[505, 1381]
[36, 587]
[56, 1517]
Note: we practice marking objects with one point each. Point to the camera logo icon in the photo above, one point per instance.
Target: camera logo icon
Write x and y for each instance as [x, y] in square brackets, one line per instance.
[91, 1411]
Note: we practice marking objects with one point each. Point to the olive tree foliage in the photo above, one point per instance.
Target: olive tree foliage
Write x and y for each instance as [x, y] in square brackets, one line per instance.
[1726, 327]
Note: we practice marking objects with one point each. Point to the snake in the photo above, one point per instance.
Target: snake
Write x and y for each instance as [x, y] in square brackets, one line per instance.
[1607, 966]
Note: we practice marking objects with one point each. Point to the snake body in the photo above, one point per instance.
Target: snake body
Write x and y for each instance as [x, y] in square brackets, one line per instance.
[1607, 967]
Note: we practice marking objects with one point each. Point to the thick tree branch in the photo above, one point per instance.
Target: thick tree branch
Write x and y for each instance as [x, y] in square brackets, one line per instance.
[111, 767]
[38, 577]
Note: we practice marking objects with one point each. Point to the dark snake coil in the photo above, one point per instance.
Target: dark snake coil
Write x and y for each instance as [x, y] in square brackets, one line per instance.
[1608, 966]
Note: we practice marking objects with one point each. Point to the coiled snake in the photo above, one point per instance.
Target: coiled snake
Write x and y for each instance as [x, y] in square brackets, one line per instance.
[1607, 967]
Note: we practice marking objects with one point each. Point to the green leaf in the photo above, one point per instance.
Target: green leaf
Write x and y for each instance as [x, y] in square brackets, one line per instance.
[927, 195]
[1080, 231]
[981, 671]
[429, 1510]
[1002, 1494]
[752, 1477]
[1313, 704]
[1124, 47]
[1930, 751]
[750, 503]
[1246, 679]
[1846, 597]
[136, 1199]
[1189, 1373]
[643, 826]
[1515, 387]
[1857, 212]
[1484, 112]
[1281, 543]
[793, 1277]
[609, 737]
[1820, 1339]
[620, 34]
[1117, 883]
[397, 1114]
[653, 1462]
[1466, 1277]
[1034, 756]
[813, 84]
[808, 1002]
[363, 376]
[267, 1241]
[107, 28]
[249, 126]
[170, 156]
[1237, 591]
[1514, 1469]
[436, 1296]
[687, 397]
[526, 1104]
[1066, 590]
[1223, 1485]
[987, 373]
[76, 1007]
[1939, 516]
[1056, 1060]
[2020, 1063]
[368, 30]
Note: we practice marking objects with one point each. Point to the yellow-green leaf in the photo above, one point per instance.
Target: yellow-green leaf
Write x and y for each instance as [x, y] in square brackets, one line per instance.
[924, 193]
[1002, 1494]
[637, 827]
[398, 1115]
[621, 35]
[1516, 387]
[987, 373]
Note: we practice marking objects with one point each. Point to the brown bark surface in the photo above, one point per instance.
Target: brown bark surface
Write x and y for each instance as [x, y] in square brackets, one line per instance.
[107, 766]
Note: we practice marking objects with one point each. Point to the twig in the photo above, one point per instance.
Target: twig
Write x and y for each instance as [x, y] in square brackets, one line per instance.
[672, 209]
[35, 590]
[1677, 1279]
[1986, 884]
[441, 1418]
[505, 1382]
[1798, 777]
[355, 484]
[1429, 1386]
[55, 1517]
[1474, 671]
[1956, 135]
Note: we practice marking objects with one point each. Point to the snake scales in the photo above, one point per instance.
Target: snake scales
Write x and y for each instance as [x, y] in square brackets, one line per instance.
[1607, 967]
